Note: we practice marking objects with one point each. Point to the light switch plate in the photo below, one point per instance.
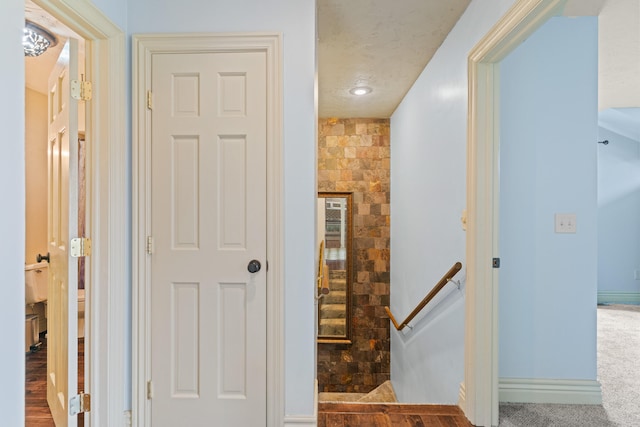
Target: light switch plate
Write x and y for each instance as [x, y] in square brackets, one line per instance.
[565, 223]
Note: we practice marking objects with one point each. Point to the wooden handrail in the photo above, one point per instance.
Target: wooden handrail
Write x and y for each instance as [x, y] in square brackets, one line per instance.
[323, 276]
[446, 278]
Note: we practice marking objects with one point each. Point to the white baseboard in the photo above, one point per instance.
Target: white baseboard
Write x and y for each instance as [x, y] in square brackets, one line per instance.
[613, 297]
[462, 397]
[532, 390]
[304, 420]
[300, 420]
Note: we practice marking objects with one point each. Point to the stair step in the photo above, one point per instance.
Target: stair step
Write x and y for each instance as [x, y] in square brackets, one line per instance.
[332, 321]
[334, 297]
[337, 274]
[333, 311]
[338, 284]
[384, 393]
[332, 327]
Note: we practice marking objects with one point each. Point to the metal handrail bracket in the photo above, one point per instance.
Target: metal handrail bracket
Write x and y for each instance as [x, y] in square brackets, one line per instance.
[437, 288]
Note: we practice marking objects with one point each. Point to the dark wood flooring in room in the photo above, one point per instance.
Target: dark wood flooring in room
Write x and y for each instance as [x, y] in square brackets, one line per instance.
[389, 415]
[37, 412]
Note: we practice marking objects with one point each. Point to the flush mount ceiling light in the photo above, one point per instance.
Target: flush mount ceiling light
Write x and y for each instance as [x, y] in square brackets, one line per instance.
[36, 39]
[360, 90]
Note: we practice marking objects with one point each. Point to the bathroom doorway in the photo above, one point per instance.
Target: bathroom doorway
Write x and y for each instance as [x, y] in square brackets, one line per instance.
[41, 363]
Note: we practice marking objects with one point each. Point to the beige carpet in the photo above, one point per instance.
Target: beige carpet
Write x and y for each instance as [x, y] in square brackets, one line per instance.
[618, 373]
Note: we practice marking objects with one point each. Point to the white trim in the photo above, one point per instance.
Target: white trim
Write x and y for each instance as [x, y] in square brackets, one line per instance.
[532, 390]
[613, 297]
[300, 421]
[105, 346]
[462, 397]
[305, 420]
[144, 46]
[481, 313]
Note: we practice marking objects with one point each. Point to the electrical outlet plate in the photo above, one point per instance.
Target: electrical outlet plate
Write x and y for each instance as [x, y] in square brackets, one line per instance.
[565, 223]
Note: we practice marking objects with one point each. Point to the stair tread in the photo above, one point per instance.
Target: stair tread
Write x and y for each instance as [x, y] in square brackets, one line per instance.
[332, 306]
[333, 322]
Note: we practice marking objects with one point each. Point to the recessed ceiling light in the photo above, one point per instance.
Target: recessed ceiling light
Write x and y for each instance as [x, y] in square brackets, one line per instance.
[360, 90]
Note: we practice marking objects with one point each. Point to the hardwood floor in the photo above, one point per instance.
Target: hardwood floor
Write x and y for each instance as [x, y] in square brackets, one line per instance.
[37, 412]
[389, 415]
[338, 414]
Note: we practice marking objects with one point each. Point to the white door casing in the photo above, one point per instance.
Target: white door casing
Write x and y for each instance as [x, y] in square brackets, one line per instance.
[209, 333]
[107, 201]
[479, 392]
[208, 207]
[62, 226]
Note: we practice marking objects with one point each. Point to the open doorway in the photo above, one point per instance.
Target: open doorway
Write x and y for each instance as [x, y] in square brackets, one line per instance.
[619, 209]
[109, 348]
[42, 105]
[483, 202]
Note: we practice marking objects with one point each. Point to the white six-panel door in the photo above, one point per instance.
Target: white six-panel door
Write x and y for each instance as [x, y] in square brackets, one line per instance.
[62, 370]
[208, 222]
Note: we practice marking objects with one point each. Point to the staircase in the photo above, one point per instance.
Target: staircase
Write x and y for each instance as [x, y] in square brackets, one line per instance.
[333, 306]
[384, 393]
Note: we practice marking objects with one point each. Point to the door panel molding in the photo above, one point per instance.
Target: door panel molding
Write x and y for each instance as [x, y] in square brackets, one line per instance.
[144, 47]
[62, 217]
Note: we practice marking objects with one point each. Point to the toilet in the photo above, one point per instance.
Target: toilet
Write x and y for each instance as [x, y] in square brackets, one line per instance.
[36, 282]
[35, 279]
[35, 296]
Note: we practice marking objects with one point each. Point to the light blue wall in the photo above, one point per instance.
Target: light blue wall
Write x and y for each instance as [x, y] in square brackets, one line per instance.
[428, 194]
[12, 222]
[618, 213]
[116, 10]
[295, 20]
[548, 135]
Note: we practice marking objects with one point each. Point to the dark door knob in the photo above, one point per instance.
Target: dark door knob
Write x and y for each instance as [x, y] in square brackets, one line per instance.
[254, 266]
[41, 258]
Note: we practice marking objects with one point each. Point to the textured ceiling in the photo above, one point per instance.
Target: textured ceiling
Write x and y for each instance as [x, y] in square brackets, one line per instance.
[381, 44]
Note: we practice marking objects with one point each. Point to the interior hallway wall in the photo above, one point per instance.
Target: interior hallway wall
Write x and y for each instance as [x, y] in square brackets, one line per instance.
[428, 183]
[548, 165]
[353, 156]
[295, 20]
[12, 218]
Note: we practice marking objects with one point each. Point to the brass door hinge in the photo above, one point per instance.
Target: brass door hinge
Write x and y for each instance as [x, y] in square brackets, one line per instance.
[149, 100]
[81, 90]
[149, 245]
[80, 247]
[80, 403]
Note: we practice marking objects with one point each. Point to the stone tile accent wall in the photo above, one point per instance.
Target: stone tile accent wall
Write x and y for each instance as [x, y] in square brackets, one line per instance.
[354, 156]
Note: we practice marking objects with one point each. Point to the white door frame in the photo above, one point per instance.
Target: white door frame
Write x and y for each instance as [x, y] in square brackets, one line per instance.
[107, 206]
[479, 392]
[144, 46]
